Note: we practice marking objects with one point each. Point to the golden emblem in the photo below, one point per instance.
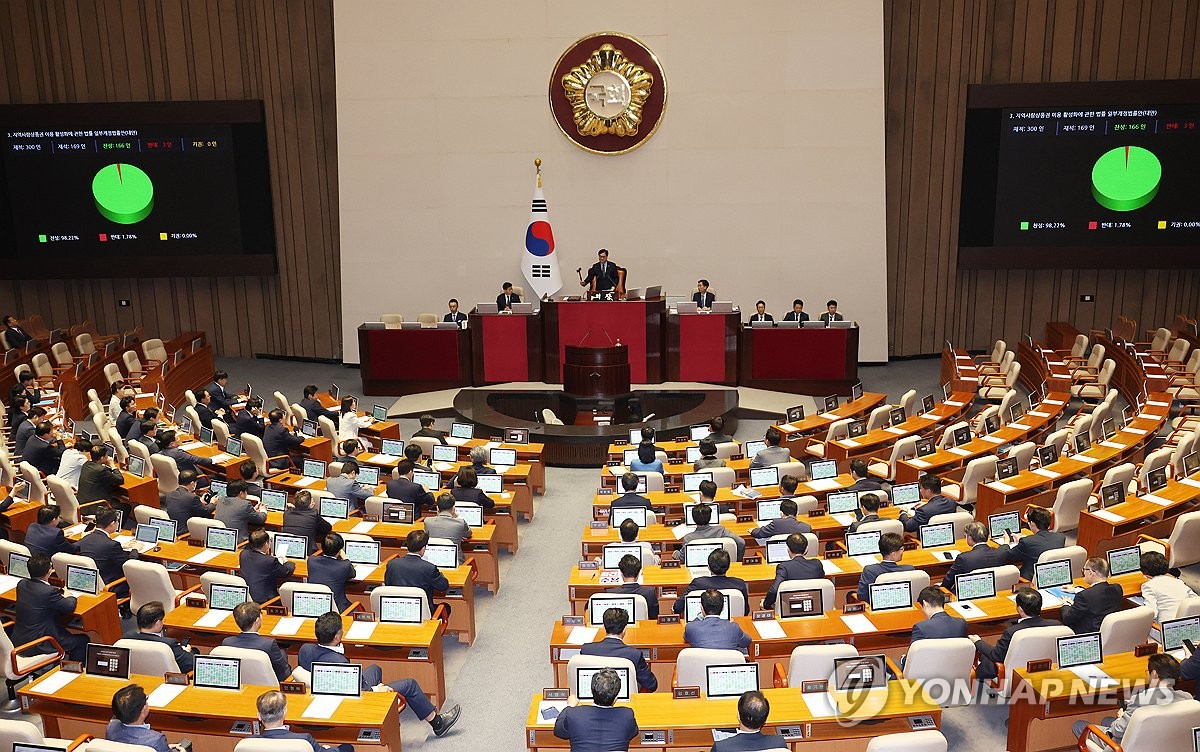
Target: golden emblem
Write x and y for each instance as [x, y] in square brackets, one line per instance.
[607, 92]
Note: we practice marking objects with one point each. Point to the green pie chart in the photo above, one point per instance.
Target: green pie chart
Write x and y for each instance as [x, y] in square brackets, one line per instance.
[1126, 178]
[123, 193]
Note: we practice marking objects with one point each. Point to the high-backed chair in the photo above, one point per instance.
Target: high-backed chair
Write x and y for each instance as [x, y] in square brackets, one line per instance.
[878, 417]
[221, 433]
[1151, 729]
[37, 488]
[1007, 576]
[1182, 548]
[948, 661]
[576, 662]
[918, 578]
[64, 497]
[288, 590]
[811, 663]
[838, 429]
[392, 320]
[691, 665]
[1023, 454]
[253, 447]
[1075, 554]
[654, 481]
[328, 430]
[1071, 499]
[256, 665]
[883, 526]
[155, 352]
[960, 520]
[15, 667]
[1097, 389]
[62, 354]
[282, 402]
[1159, 458]
[1090, 366]
[427, 320]
[149, 658]
[885, 468]
[948, 434]
[994, 387]
[197, 527]
[999, 347]
[908, 401]
[724, 477]
[978, 470]
[640, 609]
[1122, 631]
[1034, 643]
[208, 579]
[272, 745]
[138, 449]
[13, 731]
[143, 513]
[909, 741]
[827, 588]
[149, 582]
[411, 592]
[84, 344]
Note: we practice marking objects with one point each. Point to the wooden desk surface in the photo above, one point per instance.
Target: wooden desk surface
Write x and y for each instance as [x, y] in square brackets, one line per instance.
[916, 425]
[98, 613]
[1138, 515]
[385, 634]
[819, 422]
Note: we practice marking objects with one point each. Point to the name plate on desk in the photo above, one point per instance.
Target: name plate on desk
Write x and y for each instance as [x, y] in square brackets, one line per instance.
[172, 677]
[363, 616]
[686, 693]
[193, 602]
[816, 513]
[752, 560]
[762, 616]
[585, 565]
[292, 688]
[76, 667]
[196, 542]
[598, 525]
[816, 685]
[672, 489]
[555, 693]
[418, 654]
[854, 608]
[666, 618]
[834, 553]
[1041, 664]
[275, 611]
[370, 518]
[572, 620]
[1148, 648]
[604, 492]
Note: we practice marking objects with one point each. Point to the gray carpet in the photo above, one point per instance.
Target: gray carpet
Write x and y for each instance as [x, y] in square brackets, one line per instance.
[493, 679]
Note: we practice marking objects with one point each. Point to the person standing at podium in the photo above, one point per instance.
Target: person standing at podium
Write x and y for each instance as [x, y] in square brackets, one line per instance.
[505, 300]
[760, 312]
[603, 271]
[797, 313]
[702, 297]
[831, 313]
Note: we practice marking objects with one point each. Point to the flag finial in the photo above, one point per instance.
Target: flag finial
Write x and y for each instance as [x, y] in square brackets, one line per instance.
[537, 162]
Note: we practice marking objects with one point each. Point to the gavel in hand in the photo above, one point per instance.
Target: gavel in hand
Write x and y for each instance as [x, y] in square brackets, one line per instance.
[579, 271]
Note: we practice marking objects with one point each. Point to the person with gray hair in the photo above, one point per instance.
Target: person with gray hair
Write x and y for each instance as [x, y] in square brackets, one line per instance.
[272, 709]
[479, 457]
[599, 727]
[981, 555]
[1086, 611]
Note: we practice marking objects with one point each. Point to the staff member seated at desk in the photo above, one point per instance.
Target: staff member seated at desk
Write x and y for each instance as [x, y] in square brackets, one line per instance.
[831, 313]
[716, 431]
[613, 646]
[446, 523]
[711, 631]
[631, 567]
[891, 548]
[272, 709]
[466, 488]
[868, 511]
[753, 710]
[760, 312]
[772, 453]
[150, 629]
[1162, 671]
[301, 518]
[329, 649]
[260, 569]
[455, 316]
[934, 504]
[331, 568]
[1099, 599]
[718, 564]
[1030, 547]
[598, 727]
[279, 442]
[1029, 614]
[402, 488]
[248, 617]
[131, 708]
[40, 609]
[313, 407]
[937, 624]
[236, 511]
[702, 297]
[346, 486]
[505, 300]
[647, 460]
[45, 536]
[411, 570]
[795, 568]
[981, 555]
[631, 499]
[797, 313]
[702, 515]
[249, 419]
[708, 455]
[427, 431]
[785, 524]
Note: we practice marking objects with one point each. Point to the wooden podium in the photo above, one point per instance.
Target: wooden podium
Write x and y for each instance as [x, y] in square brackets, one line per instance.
[596, 371]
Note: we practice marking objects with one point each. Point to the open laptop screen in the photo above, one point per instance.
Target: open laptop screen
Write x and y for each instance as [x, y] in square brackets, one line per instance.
[1052, 573]
[583, 678]
[1079, 650]
[598, 604]
[1124, 560]
[400, 609]
[761, 477]
[620, 514]
[975, 585]
[342, 679]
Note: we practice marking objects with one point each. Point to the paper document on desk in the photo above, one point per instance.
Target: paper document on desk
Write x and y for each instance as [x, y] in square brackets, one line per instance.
[363, 571]
[54, 682]
[722, 734]
[322, 707]
[1093, 675]
[830, 567]
[206, 555]
[582, 635]
[844, 519]
[443, 467]
[959, 451]
[8, 582]
[1019, 426]
[363, 527]
[1190, 481]
[966, 609]
[681, 530]
[1046, 472]
[212, 618]
[1038, 414]
[1112, 445]
[1001, 487]
[1153, 403]
[826, 484]
[192, 445]
[455, 441]
[929, 416]
[953, 403]
[1087, 460]
[306, 482]
[549, 710]
[918, 463]
[992, 439]
[819, 704]
[848, 442]
[220, 457]
[867, 560]
[1052, 402]
[858, 624]
[1108, 516]
[788, 427]
[162, 696]
[896, 430]
[361, 630]
[288, 625]
[74, 530]
[830, 416]
[769, 630]
[385, 458]
[1157, 500]
[1138, 431]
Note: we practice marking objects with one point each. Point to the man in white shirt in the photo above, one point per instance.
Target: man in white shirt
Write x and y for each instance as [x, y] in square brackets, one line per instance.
[72, 461]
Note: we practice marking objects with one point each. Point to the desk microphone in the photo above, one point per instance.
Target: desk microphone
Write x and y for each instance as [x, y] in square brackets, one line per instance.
[606, 334]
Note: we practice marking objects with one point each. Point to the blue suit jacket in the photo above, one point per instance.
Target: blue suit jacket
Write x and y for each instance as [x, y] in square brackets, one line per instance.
[251, 641]
[615, 648]
[871, 573]
[119, 732]
[247, 423]
[716, 582]
[749, 743]
[413, 571]
[1030, 547]
[715, 632]
[48, 540]
[261, 571]
[335, 573]
[934, 506]
[286, 733]
[595, 729]
[107, 553]
[798, 568]
[939, 626]
[981, 556]
[647, 592]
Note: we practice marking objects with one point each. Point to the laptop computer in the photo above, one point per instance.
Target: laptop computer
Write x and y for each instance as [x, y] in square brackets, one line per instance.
[619, 514]
[82, 580]
[289, 546]
[975, 585]
[1079, 650]
[794, 604]
[310, 604]
[889, 596]
[583, 679]
[442, 555]
[598, 604]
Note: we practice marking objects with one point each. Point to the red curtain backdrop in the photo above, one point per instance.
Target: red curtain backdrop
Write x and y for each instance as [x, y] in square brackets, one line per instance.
[423, 354]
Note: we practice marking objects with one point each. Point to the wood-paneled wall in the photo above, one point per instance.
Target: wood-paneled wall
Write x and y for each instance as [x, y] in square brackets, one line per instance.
[280, 51]
[933, 50]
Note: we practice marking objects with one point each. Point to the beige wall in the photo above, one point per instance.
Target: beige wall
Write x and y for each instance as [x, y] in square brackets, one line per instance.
[766, 177]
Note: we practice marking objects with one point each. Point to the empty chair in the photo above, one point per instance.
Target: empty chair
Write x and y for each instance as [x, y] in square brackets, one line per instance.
[1058, 440]
[1006, 576]
[948, 435]
[549, 418]
[427, 443]
[288, 590]
[691, 666]
[427, 320]
[392, 320]
[64, 497]
[977, 423]
[978, 471]
[909, 741]
[1188, 607]
[999, 347]
[1071, 499]
[1122, 631]
[60, 561]
[133, 365]
[1010, 398]
[1090, 366]
[1160, 341]
[724, 477]
[328, 430]
[1078, 349]
[149, 658]
[255, 744]
[62, 354]
[15, 668]
[1075, 554]
[576, 662]
[1159, 458]
[879, 417]
[256, 665]
[948, 660]
[905, 448]
[84, 344]
[1097, 389]
[995, 386]
[198, 527]
[1121, 474]
[1023, 454]
[143, 513]
[208, 579]
[908, 401]
[1182, 548]
[221, 433]
[37, 488]
[1006, 360]
[282, 402]
[883, 526]
[654, 481]
[827, 588]
[149, 582]
[811, 663]
[165, 470]
[155, 352]
[838, 429]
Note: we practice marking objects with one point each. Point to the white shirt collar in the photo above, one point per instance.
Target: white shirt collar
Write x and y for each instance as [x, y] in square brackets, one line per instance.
[336, 648]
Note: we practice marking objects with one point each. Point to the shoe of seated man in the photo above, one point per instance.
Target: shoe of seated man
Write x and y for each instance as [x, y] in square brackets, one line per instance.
[443, 722]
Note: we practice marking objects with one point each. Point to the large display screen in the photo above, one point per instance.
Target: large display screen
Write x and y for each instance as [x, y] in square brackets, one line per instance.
[1089, 174]
[136, 189]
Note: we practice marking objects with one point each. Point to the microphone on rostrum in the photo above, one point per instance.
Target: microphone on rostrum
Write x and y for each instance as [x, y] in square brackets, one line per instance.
[606, 334]
[581, 339]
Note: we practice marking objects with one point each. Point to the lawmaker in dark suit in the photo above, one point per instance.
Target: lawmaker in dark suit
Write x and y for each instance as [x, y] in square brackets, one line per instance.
[182, 504]
[718, 564]
[183, 460]
[43, 450]
[313, 407]
[711, 631]
[454, 315]
[260, 569]
[891, 549]
[413, 571]
[205, 409]
[795, 568]
[99, 478]
[248, 617]
[150, 629]
[604, 272]
[937, 624]
[237, 512]
[331, 569]
[26, 430]
[863, 481]
[753, 710]
[303, 519]
[760, 312]
[16, 336]
[466, 488]
[1029, 614]
[506, 299]
[40, 610]
[631, 567]
[278, 441]
[401, 487]
[599, 727]
[981, 555]
[45, 536]
[702, 297]
[128, 417]
[249, 419]
[613, 646]
[222, 398]
[427, 431]
[1030, 547]
[785, 524]
[272, 710]
[797, 313]
[109, 556]
[934, 504]
[631, 498]
[131, 710]
[1095, 602]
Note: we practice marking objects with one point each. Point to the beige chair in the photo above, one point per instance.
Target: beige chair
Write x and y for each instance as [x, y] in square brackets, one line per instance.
[1058, 440]
[1023, 454]
[724, 477]
[253, 447]
[691, 665]
[1001, 366]
[1075, 554]
[272, 745]
[1151, 729]
[64, 497]
[883, 526]
[576, 662]
[7, 548]
[1071, 499]
[1097, 389]
[1007, 576]
[947, 436]
[811, 663]
[208, 579]
[155, 352]
[138, 449]
[149, 658]
[908, 401]
[838, 429]
[114, 438]
[60, 561]
[879, 418]
[37, 487]
[1122, 631]
[190, 397]
[392, 320]
[221, 433]
[428, 320]
[640, 608]
[811, 551]
[1182, 548]
[1188, 607]
[1157, 459]
[23, 732]
[1122, 474]
[256, 665]
[909, 741]
[727, 449]
[133, 365]
[1034, 643]
[328, 430]
[62, 354]
[84, 344]
[149, 582]
[411, 592]
[726, 543]
[905, 448]
[737, 602]
[166, 471]
[282, 402]
[995, 386]
[999, 347]
[1090, 366]
[978, 471]
[197, 527]
[827, 588]
[15, 668]
[945, 664]
[960, 519]
[918, 579]
[795, 469]
[143, 513]
[42, 368]
[654, 481]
